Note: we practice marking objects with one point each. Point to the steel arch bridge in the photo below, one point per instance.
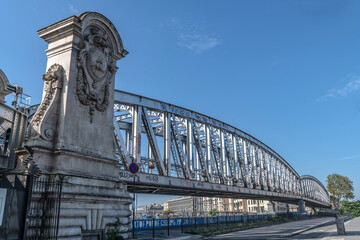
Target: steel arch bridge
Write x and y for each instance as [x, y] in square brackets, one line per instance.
[183, 152]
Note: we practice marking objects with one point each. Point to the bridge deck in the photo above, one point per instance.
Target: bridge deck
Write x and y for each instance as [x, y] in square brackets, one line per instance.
[156, 184]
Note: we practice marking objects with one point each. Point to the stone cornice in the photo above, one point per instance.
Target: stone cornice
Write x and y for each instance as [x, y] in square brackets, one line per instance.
[67, 27]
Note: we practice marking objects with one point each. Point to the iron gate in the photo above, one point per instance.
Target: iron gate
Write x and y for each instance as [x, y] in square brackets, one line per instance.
[42, 219]
[31, 206]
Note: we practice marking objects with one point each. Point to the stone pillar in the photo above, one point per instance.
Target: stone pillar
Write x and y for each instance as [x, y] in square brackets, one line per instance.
[301, 206]
[72, 131]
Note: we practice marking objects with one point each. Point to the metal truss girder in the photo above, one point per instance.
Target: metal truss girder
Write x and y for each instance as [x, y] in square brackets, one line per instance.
[257, 167]
[229, 152]
[216, 156]
[120, 107]
[248, 166]
[313, 188]
[156, 120]
[273, 172]
[241, 161]
[176, 162]
[178, 147]
[123, 117]
[136, 131]
[121, 145]
[249, 163]
[153, 143]
[263, 171]
[167, 143]
[229, 156]
[199, 150]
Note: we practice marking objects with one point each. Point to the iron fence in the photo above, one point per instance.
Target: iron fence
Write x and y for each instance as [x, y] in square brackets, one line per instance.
[42, 220]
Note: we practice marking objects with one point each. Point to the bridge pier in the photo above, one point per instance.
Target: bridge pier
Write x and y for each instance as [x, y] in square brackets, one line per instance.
[71, 135]
[301, 206]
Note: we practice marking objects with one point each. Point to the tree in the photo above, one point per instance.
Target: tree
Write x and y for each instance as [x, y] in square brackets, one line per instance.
[166, 213]
[213, 212]
[352, 208]
[340, 188]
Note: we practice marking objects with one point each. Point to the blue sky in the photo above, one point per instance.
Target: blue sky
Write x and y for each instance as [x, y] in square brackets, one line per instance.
[287, 72]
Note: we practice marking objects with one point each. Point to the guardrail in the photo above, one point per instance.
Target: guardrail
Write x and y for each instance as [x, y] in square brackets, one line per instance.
[12, 133]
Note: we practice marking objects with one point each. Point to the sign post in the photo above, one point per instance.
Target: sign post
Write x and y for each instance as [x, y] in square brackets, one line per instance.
[133, 168]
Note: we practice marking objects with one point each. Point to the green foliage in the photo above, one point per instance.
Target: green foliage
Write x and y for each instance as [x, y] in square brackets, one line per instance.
[339, 187]
[274, 219]
[44, 236]
[213, 212]
[113, 231]
[352, 207]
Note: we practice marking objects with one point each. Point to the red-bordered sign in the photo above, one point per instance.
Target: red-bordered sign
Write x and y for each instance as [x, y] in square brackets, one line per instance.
[134, 168]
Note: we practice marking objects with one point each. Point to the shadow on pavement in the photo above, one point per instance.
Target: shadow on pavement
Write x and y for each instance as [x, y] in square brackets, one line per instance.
[353, 233]
[315, 235]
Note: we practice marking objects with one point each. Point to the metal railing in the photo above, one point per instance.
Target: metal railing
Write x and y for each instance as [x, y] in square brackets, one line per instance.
[12, 133]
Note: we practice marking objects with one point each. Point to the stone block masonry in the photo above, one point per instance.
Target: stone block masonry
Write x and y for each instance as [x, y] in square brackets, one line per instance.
[72, 132]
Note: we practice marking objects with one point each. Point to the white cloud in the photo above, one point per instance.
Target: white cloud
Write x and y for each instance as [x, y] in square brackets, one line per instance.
[198, 42]
[73, 9]
[351, 157]
[193, 36]
[352, 85]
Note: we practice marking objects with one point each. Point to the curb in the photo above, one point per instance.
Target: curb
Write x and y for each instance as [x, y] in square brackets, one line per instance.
[192, 237]
[186, 237]
[312, 227]
[306, 229]
[247, 228]
[309, 228]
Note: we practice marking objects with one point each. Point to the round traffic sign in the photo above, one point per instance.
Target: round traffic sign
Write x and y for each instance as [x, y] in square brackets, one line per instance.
[134, 168]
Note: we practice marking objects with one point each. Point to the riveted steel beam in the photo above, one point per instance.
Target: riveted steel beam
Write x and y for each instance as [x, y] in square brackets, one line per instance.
[203, 149]
[152, 141]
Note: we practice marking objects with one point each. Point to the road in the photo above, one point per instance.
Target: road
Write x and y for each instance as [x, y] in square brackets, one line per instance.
[329, 232]
[280, 231]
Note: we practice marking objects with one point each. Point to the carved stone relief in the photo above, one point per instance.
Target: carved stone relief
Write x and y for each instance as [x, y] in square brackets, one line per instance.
[4, 82]
[96, 68]
[53, 82]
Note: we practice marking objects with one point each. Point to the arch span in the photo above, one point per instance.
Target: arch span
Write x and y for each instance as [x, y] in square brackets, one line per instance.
[177, 148]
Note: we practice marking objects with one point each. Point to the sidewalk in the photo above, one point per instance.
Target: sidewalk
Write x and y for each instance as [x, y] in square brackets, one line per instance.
[182, 237]
[188, 237]
[309, 228]
[279, 231]
[352, 228]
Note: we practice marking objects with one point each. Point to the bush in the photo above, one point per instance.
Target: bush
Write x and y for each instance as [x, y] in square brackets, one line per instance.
[352, 208]
[113, 231]
[213, 212]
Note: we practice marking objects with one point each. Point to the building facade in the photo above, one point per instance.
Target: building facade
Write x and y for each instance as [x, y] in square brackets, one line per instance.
[184, 206]
[149, 211]
[200, 206]
[257, 206]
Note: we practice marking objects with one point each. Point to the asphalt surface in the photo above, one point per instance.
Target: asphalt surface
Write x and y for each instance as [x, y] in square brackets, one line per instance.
[329, 232]
[279, 231]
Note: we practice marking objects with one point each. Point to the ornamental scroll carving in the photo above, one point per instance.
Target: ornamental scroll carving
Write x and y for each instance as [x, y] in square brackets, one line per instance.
[42, 123]
[96, 68]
